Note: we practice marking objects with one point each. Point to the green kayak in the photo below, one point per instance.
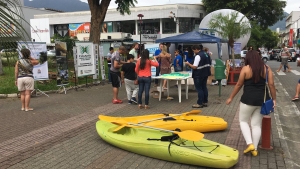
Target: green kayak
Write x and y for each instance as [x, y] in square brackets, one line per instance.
[168, 146]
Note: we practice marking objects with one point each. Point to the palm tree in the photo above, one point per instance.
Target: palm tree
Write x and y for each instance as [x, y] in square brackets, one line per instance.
[229, 27]
[11, 29]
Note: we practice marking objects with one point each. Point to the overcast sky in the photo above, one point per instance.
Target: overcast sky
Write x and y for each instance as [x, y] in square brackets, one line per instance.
[292, 5]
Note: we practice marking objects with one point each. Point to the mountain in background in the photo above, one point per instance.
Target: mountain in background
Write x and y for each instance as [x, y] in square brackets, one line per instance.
[62, 5]
[280, 24]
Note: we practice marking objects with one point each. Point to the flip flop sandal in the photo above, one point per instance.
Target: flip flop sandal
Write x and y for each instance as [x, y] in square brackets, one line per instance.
[295, 98]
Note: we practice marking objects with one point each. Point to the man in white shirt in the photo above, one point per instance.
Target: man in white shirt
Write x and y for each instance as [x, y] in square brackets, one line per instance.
[134, 50]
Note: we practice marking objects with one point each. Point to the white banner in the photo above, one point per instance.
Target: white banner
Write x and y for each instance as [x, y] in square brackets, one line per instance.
[96, 57]
[102, 67]
[85, 59]
[38, 50]
[40, 30]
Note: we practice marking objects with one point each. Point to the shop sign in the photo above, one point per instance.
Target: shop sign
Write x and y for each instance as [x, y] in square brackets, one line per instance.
[150, 37]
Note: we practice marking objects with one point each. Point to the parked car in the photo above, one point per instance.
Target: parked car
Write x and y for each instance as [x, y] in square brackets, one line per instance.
[51, 53]
[264, 55]
[274, 54]
[7, 50]
[243, 53]
[293, 55]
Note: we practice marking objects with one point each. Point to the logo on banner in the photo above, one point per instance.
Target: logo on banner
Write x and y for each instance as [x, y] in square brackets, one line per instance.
[84, 49]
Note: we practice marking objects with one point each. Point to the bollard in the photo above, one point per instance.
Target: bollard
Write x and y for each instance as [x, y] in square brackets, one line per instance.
[266, 133]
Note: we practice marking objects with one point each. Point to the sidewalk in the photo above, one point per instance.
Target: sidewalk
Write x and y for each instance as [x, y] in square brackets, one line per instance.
[60, 132]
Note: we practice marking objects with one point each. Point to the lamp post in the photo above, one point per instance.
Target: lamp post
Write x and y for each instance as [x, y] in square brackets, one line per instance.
[140, 19]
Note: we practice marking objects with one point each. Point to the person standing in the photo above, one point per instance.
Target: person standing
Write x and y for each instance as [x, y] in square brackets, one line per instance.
[296, 97]
[177, 62]
[189, 58]
[201, 71]
[115, 74]
[24, 77]
[111, 51]
[143, 71]
[129, 77]
[253, 78]
[157, 52]
[165, 66]
[285, 55]
[134, 50]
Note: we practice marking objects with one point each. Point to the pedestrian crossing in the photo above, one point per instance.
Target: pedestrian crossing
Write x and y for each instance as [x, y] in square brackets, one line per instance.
[280, 73]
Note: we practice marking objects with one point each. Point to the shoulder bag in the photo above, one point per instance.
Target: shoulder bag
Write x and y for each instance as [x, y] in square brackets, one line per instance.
[267, 106]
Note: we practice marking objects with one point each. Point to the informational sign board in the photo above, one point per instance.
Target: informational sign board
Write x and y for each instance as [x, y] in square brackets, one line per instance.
[102, 66]
[38, 50]
[237, 47]
[62, 63]
[96, 57]
[85, 59]
[152, 48]
[40, 30]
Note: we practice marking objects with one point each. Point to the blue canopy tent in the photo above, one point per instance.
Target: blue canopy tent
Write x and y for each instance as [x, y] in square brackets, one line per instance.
[194, 37]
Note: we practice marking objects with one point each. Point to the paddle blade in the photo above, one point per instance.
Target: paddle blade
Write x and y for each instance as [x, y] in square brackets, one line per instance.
[190, 135]
[194, 112]
[119, 128]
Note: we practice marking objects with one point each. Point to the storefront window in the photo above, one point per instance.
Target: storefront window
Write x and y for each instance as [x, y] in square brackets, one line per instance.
[126, 26]
[186, 25]
[169, 26]
[149, 26]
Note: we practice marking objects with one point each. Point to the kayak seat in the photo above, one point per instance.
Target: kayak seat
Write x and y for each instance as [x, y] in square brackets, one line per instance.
[169, 119]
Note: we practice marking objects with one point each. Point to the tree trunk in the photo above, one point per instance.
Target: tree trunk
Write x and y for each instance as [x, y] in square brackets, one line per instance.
[98, 13]
[231, 44]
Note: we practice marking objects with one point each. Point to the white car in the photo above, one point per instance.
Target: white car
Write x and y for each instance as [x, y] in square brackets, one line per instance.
[243, 53]
[51, 53]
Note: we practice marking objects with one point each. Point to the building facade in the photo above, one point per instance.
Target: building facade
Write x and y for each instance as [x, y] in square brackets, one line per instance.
[292, 29]
[157, 22]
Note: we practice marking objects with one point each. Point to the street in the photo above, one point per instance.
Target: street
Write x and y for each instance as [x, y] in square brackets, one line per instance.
[60, 131]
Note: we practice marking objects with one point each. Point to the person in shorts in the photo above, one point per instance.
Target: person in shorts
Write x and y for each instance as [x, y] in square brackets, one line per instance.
[24, 77]
[129, 77]
[115, 74]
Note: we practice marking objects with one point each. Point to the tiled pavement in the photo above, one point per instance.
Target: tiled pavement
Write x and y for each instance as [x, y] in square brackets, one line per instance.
[60, 132]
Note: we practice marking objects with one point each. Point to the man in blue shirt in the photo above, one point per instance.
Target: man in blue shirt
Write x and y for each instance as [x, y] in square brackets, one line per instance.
[177, 61]
[157, 52]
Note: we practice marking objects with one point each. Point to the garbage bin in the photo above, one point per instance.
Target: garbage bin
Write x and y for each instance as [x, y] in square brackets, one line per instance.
[219, 70]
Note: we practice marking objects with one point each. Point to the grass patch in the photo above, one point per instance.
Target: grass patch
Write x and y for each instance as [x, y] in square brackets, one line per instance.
[7, 80]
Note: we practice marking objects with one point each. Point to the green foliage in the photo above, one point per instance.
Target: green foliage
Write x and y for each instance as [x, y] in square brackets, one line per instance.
[124, 6]
[264, 12]
[229, 27]
[262, 37]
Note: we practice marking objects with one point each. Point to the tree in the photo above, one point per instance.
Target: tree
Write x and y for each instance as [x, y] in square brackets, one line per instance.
[98, 12]
[11, 29]
[264, 12]
[229, 27]
[262, 37]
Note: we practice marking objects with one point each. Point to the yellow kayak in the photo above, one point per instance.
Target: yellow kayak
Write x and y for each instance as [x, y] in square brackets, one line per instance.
[185, 121]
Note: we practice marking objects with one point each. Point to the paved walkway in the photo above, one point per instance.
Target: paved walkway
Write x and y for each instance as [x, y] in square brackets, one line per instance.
[60, 132]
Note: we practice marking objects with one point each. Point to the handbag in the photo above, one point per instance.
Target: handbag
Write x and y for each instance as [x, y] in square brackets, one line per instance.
[267, 106]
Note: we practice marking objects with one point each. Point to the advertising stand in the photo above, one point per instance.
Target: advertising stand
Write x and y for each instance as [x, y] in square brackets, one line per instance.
[85, 59]
[38, 50]
[102, 66]
[62, 78]
[96, 56]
